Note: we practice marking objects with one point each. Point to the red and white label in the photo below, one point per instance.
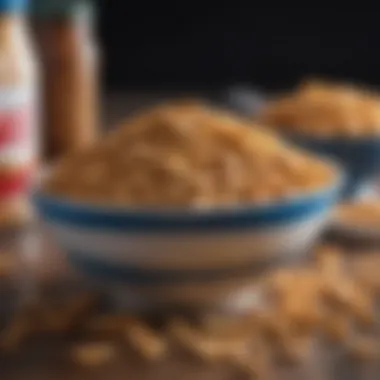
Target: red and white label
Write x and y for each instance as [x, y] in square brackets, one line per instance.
[18, 148]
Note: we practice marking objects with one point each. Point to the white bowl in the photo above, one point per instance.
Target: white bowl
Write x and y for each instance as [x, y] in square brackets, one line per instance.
[185, 256]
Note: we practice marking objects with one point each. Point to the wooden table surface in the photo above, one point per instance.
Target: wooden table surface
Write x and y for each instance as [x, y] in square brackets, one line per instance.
[39, 263]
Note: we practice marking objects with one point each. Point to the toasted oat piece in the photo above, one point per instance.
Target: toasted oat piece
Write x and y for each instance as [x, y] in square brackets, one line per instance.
[148, 343]
[255, 359]
[93, 354]
[229, 326]
[338, 291]
[366, 269]
[348, 295]
[271, 326]
[257, 367]
[184, 334]
[302, 308]
[205, 347]
[281, 281]
[330, 261]
[297, 298]
[304, 316]
[361, 307]
[286, 343]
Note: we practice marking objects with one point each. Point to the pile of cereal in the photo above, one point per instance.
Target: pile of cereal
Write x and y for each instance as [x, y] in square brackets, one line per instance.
[187, 154]
[361, 213]
[325, 109]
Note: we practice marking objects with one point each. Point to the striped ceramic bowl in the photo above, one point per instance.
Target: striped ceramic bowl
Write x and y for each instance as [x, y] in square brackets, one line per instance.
[184, 257]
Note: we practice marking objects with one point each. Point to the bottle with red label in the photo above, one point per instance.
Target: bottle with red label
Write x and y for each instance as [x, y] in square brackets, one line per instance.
[18, 134]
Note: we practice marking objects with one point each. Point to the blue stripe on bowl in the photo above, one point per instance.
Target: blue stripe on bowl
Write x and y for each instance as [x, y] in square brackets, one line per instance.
[105, 270]
[80, 215]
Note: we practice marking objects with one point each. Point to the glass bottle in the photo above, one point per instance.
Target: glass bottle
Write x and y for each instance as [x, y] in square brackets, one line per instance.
[18, 113]
[69, 58]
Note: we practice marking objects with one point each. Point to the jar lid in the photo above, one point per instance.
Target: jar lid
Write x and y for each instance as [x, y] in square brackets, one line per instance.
[60, 8]
[13, 5]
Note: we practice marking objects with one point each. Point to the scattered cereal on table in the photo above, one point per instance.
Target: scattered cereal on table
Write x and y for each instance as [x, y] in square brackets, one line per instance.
[148, 343]
[209, 348]
[93, 354]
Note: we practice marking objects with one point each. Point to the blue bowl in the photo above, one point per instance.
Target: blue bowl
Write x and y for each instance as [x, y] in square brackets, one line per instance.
[184, 256]
[359, 157]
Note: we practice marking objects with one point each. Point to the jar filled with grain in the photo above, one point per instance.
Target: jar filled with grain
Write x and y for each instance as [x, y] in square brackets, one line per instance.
[69, 56]
[18, 111]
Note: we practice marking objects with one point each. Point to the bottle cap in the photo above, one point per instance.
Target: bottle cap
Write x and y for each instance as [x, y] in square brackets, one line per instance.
[13, 6]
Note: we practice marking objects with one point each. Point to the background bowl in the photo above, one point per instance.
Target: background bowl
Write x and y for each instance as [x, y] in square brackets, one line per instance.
[184, 257]
[359, 157]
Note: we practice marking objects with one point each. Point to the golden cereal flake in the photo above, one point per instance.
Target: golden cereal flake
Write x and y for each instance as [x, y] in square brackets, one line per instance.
[148, 343]
[366, 268]
[330, 261]
[93, 354]
[296, 297]
[208, 348]
[257, 365]
[229, 326]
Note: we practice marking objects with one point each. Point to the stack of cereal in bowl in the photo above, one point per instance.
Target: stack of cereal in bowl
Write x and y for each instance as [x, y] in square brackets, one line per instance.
[184, 205]
[340, 121]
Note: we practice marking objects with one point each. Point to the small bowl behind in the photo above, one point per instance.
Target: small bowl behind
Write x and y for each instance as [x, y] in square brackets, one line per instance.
[184, 258]
[359, 157]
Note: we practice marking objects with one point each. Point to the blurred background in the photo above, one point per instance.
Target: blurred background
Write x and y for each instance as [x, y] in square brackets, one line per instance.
[209, 45]
[81, 58]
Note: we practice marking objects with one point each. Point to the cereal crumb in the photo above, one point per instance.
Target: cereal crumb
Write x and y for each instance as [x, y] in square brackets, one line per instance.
[93, 354]
[148, 343]
[209, 348]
